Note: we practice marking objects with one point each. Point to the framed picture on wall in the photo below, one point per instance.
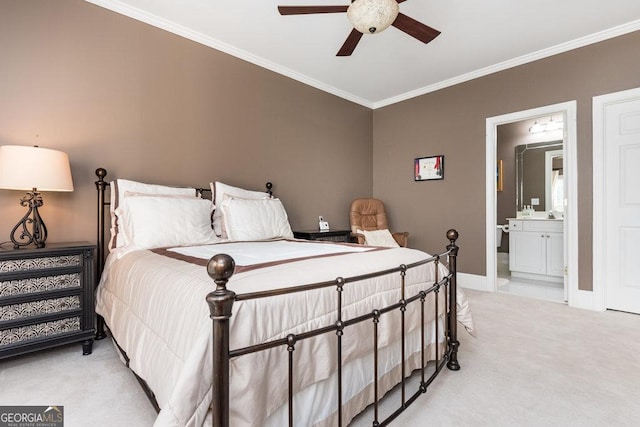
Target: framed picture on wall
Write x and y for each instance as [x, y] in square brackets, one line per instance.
[428, 168]
[499, 176]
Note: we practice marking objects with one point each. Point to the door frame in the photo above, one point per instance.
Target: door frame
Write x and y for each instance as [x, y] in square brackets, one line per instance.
[569, 110]
[599, 207]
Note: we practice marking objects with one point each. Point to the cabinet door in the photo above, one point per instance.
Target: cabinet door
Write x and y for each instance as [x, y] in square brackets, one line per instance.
[527, 252]
[555, 254]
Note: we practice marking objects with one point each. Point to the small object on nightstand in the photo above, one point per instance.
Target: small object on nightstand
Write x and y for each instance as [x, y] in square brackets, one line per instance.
[324, 235]
[322, 224]
[47, 298]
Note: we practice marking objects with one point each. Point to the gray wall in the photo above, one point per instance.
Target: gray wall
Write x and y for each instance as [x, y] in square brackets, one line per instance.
[148, 105]
[452, 122]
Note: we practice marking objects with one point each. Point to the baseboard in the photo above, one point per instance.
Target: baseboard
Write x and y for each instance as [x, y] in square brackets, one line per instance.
[586, 300]
[473, 281]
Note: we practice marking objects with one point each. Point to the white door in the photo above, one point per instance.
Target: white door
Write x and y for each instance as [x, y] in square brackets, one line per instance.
[622, 204]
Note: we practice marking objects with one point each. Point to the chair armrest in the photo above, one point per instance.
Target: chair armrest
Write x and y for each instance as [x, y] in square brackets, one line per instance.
[401, 238]
[357, 238]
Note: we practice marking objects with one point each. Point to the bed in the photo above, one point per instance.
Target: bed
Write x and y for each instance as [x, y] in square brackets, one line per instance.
[227, 320]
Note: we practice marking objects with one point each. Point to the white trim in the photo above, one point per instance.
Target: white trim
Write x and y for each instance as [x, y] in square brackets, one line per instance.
[140, 15]
[599, 209]
[473, 281]
[586, 300]
[569, 109]
[524, 59]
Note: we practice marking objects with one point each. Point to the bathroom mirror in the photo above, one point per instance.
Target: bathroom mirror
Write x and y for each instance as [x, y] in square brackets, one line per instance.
[539, 175]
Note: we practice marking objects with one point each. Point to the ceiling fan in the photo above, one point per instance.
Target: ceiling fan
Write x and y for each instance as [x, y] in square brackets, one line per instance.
[369, 16]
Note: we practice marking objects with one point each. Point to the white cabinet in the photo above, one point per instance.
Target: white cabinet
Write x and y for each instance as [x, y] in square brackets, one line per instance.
[536, 249]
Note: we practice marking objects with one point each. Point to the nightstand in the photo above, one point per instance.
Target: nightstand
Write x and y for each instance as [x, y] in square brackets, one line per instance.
[46, 297]
[325, 235]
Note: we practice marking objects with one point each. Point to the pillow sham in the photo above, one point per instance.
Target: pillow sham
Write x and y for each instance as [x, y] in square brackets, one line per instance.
[119, 190]
[379, 238]
[247, 220]
[151, 221]
[219, 191]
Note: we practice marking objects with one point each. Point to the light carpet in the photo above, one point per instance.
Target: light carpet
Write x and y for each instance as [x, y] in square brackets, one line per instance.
[534, 363]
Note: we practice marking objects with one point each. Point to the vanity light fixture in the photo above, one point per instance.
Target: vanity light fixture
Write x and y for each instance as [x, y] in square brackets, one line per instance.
[33, 169]
[537, 127]
[550, 126]
[554, 125]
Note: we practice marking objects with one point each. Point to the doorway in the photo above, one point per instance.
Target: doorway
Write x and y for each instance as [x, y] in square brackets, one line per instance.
[567, 111]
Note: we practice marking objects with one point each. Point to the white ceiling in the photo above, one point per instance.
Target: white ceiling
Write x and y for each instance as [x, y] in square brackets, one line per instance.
[478, 38]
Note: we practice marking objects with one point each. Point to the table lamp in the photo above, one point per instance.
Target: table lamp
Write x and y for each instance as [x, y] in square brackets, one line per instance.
[33, 169]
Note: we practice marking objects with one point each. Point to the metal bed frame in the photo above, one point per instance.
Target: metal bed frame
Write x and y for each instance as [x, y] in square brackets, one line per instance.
[221, 267]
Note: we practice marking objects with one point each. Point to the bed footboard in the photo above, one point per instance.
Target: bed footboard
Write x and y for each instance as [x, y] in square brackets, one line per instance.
[220, 268]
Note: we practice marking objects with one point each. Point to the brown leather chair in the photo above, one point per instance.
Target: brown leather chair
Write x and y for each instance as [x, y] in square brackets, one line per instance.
[369, 214]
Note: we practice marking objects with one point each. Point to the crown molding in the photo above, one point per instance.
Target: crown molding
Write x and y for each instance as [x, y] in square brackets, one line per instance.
[156, 21]
[541, 54]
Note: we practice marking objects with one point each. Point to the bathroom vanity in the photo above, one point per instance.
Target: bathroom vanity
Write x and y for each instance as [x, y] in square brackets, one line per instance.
[536, 248]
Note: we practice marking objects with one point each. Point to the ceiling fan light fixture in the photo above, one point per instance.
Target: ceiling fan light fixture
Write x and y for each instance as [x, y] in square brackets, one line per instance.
[372, 16]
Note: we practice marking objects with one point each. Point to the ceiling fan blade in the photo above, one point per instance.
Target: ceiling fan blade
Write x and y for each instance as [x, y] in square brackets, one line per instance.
[416, 29]
[350, 43]
[305, 10]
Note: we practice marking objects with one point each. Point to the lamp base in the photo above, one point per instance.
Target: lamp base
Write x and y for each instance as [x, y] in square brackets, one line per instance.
[21, 235]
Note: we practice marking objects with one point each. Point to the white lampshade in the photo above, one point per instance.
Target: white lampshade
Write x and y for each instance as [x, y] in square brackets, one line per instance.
[372, 16]
[26, 168]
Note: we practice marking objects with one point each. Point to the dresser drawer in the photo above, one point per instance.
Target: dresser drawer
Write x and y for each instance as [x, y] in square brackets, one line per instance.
[33, 285]
[24, 334]
[25, 310]
[46, 298]
[40, 263]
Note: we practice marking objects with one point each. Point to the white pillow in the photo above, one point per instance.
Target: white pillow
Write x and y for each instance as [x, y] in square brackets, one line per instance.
[379, 238]
[148, 221]
[247, 220]
[219, 191]
[119, 189]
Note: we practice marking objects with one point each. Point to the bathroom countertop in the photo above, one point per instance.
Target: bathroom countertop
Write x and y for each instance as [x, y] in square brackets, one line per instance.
[534, 218]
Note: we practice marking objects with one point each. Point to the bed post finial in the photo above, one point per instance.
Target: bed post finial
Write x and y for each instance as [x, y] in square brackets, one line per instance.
[269, 187]
[220, 268]
[101, 173]
[453, 364]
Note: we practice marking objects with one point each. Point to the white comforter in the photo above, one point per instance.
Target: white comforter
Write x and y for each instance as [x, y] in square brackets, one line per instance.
[155, 308]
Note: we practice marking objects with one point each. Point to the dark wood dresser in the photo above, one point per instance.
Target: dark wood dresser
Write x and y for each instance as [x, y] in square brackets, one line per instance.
[46, 297]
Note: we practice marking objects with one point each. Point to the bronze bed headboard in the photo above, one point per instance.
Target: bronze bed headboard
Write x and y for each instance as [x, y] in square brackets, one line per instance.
[103, 204]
